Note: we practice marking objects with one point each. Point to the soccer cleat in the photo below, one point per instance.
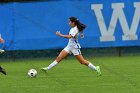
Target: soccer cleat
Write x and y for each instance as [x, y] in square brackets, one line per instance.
[1, 51]
[2, 70]
[98, 70]
[44, 69]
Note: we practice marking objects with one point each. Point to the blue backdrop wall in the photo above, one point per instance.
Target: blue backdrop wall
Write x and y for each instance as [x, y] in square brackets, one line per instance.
[31, 26]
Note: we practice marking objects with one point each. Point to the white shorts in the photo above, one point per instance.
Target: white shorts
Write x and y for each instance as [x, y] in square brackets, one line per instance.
[75, 51]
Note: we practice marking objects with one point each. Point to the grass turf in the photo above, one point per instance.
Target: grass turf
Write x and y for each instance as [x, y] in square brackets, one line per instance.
[119, 75]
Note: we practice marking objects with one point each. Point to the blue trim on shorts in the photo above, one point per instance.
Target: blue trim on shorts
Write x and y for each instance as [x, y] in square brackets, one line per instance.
[76, 43]
[79, 51]
[78, 46]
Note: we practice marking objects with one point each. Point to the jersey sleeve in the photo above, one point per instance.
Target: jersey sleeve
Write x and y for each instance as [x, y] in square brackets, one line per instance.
[73, 32]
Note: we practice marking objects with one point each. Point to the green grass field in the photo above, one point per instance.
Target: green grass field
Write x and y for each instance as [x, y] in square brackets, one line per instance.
[119, 75]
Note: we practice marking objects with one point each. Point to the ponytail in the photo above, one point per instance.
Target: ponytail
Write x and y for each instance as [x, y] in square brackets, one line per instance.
[79, 25]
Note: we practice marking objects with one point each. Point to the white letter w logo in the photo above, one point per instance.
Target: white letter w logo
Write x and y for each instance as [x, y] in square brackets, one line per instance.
[118, 14]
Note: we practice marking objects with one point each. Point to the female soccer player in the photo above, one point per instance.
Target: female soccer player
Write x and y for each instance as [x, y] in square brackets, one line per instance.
[73, 46]
[2, 70]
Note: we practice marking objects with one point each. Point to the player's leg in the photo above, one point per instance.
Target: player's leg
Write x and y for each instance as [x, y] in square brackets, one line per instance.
[62, 55]
[87, 63]
[2, 70]
[81, 59]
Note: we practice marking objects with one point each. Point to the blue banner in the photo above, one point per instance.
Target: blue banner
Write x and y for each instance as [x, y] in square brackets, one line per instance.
[32, 26]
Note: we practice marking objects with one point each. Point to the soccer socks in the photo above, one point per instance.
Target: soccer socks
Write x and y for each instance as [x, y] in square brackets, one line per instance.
[54, 63]
[90, 65]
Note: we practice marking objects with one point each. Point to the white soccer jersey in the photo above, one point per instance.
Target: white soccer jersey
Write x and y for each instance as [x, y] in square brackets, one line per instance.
[73, 42]
[73, 45]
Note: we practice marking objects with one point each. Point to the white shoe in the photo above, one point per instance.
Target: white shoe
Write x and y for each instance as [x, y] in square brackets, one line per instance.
[98, 70]
[44, 69]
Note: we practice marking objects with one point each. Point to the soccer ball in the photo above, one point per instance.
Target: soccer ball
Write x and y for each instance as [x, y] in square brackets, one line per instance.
[32, 73]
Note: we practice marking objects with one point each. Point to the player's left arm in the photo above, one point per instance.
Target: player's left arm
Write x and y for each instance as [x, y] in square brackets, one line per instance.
[62, 35]
[82, 34]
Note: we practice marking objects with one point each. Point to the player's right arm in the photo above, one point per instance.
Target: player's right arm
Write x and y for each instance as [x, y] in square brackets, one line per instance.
[62, 35]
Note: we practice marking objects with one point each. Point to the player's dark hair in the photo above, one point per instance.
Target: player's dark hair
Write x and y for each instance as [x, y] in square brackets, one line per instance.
[79, 25]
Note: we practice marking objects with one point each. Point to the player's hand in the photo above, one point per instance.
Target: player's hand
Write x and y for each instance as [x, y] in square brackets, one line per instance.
[82, 35]
[1, 39]
[58, 33]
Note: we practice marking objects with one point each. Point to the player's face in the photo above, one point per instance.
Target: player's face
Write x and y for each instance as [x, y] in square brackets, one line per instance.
[72, 24]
